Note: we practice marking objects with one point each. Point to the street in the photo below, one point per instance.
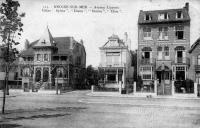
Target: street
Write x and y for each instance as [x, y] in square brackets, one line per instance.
[77, 109]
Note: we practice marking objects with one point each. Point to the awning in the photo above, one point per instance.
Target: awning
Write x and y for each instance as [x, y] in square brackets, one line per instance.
[179, 48]
[146, 49]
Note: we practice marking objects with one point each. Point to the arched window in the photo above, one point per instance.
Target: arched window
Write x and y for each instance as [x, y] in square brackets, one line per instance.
[38, 76]
[45, 75]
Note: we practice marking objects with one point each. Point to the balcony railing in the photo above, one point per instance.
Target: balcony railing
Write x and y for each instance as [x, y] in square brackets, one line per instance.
[60, 62]
[112, 65]
[182, 60]
[146, 61]
[26, 62]
[197, 67]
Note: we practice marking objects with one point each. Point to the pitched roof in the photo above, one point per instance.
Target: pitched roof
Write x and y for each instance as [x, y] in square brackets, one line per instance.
[29, 51]
[64, 44]
[46, 39]
[171, 15]
[113, 42]
[196, 43]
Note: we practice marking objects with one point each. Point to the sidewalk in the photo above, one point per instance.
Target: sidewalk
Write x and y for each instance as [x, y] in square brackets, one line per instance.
[19, 92]
[117, 94]
[12, 93]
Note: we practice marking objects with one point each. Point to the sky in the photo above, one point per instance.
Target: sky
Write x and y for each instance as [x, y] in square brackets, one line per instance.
[94, 28]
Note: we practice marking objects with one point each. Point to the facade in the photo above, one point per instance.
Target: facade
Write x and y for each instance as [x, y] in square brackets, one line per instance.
[51, 62]
[194, 69]
[163, 42]
[115, 62]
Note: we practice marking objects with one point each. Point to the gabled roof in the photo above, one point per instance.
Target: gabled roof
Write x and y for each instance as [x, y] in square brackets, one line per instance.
[113, 41]
[61, 45]
[64, 45]
[46, 39]
[196, 43]
[171, 15]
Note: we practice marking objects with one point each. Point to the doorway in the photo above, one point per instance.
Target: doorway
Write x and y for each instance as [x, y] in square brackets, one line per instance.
[164, 82]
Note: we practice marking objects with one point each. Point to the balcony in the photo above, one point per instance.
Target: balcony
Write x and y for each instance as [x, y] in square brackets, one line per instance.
[60, 62]
[182, 60]
[146, 61]
[197, 68]
[26, 62]
[112, 65]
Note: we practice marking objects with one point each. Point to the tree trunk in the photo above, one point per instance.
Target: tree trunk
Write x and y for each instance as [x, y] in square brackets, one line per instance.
[5, 89]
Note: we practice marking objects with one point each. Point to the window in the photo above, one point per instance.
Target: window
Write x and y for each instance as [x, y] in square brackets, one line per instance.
[179, 15]
[78, 60]
[112, 58]
[63, 58]
[147, 17]
[145, 69]
[30, 58]
[146, 76]
[147, 33]
[166, 50]
[45, 57]
[55, 58]
[109, 60]
[198, 60]
[159, 49]
[146, 55]
[179, 54]
[163, 33]
[59, 72]
[116, 59]
[163, 16]
[179, 32]
[39, 57]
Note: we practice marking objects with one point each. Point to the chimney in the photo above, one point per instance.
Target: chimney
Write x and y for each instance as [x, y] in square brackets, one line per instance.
[125, 37]
[81, 41]
[187, 6]
[71, 42]
[26, 45]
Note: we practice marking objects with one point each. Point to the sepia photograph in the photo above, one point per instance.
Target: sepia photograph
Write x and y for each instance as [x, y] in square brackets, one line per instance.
[99, 64]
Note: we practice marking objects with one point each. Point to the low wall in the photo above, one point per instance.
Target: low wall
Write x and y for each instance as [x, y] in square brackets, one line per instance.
[144, 94]
[185, 95]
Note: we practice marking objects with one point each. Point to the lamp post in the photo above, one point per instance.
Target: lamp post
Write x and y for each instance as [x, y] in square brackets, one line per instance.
[58, 72]
[162, 77]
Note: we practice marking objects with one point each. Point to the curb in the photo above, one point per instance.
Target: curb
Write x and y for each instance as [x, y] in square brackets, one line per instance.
[134, 96]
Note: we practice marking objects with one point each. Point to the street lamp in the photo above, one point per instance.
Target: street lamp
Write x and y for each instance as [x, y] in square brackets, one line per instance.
[58, 72]
[162, 76]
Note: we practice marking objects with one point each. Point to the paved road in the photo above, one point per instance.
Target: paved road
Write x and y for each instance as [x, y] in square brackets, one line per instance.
[78, 110]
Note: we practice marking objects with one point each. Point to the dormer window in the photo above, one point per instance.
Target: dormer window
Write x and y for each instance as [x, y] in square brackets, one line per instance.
[179, 15]
[147, 17]
[163, 16]
[44, 42]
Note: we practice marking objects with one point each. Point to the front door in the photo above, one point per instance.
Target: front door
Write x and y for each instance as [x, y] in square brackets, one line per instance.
[164, 82]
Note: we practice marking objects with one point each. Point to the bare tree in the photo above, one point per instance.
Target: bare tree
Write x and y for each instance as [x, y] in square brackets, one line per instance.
[10, 29]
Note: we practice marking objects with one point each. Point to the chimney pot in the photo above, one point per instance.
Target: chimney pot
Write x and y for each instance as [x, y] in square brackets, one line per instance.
[187, 6]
